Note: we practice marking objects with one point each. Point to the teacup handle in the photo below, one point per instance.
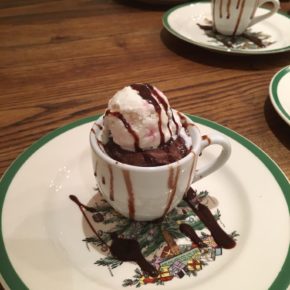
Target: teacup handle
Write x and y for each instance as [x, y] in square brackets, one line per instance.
[276, 6]
[208, 140]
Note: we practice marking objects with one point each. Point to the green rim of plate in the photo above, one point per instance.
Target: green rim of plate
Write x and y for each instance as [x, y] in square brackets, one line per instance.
[212, 47]
[9, 274]
[274, 93]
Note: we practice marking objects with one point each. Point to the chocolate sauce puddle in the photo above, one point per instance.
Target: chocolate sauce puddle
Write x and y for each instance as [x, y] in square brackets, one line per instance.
[205, 215]
[241, 41]
[129, 250]
[123, 249]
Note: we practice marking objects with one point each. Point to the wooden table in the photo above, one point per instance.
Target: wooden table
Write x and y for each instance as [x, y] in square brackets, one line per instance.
[62, 60]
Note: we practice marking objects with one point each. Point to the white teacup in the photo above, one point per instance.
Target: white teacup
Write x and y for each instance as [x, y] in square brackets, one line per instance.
[148, 193]
[233, 17]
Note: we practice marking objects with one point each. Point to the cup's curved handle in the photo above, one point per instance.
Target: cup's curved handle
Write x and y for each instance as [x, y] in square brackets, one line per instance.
[274, 9]
[208, 140]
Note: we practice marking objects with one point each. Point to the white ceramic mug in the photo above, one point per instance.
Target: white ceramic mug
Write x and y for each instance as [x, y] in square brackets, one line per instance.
[233, 17]
[148, 193]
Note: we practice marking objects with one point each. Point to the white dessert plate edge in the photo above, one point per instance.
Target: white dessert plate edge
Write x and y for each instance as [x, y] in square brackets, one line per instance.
[10, 276]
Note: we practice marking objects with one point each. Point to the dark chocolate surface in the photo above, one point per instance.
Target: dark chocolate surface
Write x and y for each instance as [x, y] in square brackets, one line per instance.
[167, 153]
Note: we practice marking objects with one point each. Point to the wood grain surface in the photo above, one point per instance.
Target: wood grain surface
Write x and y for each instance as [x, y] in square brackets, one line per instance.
[62, 60]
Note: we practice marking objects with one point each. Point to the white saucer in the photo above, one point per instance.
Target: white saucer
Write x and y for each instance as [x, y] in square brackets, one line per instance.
[42, 230]
[182, 21]
[280, 93]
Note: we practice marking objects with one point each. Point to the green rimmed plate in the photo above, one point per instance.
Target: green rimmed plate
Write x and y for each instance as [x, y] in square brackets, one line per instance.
[182, 21]
[41, 231]
[280, 93]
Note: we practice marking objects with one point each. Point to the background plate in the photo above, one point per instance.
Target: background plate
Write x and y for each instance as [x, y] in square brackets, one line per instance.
[182, 21]
[280, 93]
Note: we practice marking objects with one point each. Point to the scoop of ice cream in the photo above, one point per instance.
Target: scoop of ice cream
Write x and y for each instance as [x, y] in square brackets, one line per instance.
[139, 118]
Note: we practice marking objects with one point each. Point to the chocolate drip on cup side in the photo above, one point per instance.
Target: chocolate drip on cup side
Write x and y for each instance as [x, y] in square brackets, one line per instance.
[111, 182]
[191, 170]
[221, 8]
[229, 9]
[172, 186]
[240, 16]
[238, 4]
[131, 195]
[255, 9]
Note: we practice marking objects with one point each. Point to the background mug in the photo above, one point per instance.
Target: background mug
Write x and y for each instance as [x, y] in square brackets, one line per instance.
[233, 17]
[149, 193]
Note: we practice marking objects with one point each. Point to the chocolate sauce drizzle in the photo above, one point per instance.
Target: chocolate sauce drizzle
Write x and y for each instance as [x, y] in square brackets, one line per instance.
[175, 123]
[188, 231]
[100, 126]
[83, 207]
[164, 104]
[145, 91]
[128, 127]
[122, 249]
[205, 137]
[183, 120]
[205, 215]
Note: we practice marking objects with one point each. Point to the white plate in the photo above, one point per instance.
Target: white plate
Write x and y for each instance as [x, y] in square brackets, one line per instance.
[163, 2]
[42, 230]
[280, 93]
[182, 21]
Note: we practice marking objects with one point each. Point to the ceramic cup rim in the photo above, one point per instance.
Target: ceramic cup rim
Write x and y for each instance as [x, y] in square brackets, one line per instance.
[196, 148]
